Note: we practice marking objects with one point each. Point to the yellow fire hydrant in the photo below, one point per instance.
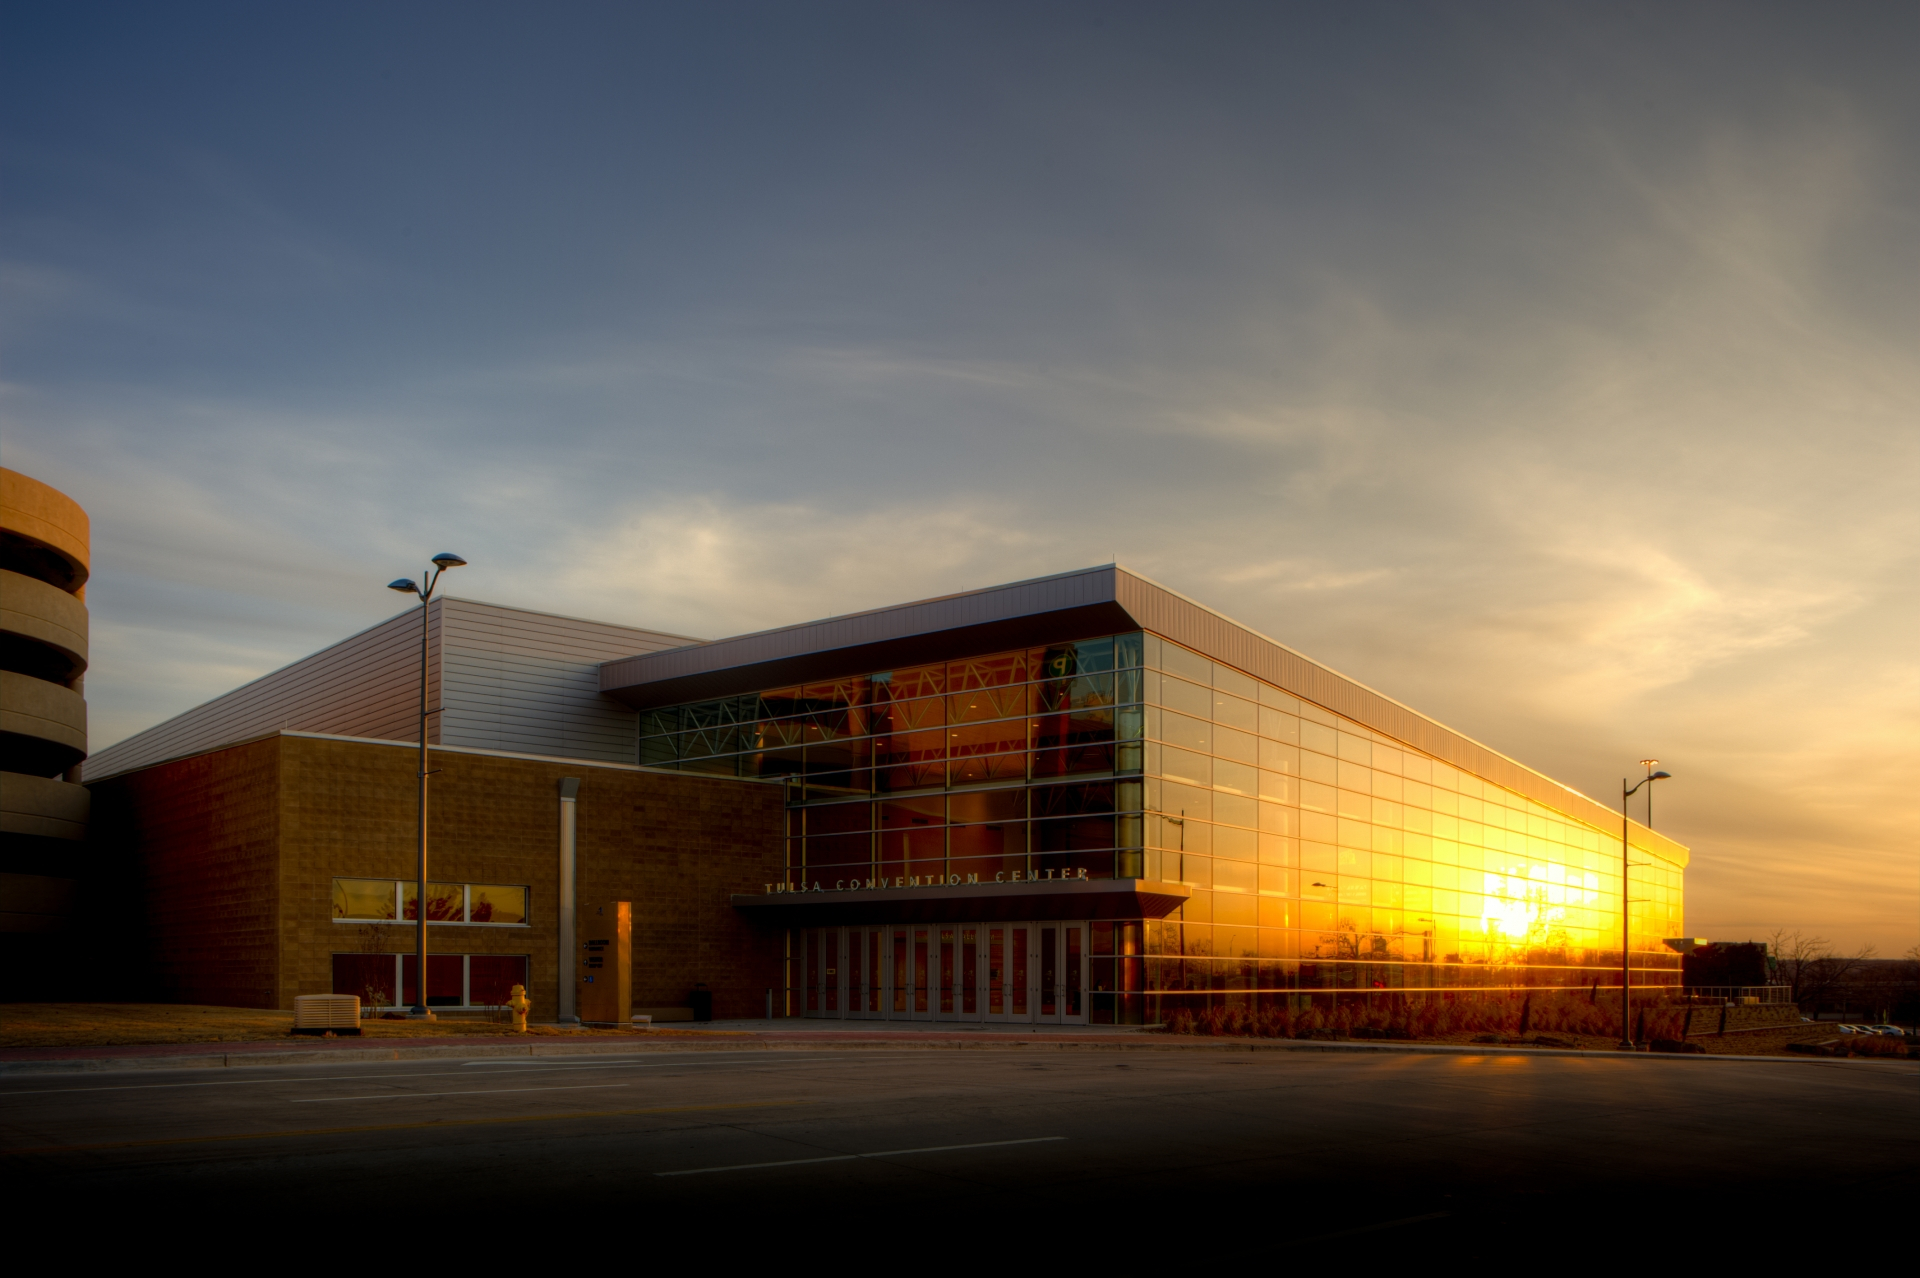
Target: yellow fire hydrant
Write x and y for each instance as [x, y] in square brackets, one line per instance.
[519, 1004]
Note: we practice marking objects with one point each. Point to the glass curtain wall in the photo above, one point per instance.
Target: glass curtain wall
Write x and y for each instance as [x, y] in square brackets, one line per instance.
[1323, 856]
[1022, 762]
[1326, 856]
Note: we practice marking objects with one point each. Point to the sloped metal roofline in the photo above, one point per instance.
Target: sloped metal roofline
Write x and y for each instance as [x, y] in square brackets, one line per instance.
[1073, 605]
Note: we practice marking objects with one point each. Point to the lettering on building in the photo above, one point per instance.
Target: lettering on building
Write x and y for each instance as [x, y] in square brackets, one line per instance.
[925, 881]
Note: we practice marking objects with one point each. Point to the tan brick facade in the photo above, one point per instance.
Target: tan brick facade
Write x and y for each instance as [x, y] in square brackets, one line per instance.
[191, 848]
[237, 850]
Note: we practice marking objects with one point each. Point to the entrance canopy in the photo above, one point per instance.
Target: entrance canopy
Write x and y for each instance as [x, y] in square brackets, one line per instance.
[969, 902]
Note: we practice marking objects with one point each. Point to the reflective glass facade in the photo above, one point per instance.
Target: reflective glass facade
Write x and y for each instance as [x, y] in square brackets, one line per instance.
[1323, 856]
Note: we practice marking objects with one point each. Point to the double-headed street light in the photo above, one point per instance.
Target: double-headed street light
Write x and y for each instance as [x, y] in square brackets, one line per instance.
[1626, 953]
[407, 586]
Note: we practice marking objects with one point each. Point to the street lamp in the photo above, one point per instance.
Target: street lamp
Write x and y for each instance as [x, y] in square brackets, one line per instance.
[1626, 953]
[406, 586]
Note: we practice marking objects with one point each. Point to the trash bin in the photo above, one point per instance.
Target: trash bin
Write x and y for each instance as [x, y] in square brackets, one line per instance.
[701, 1001]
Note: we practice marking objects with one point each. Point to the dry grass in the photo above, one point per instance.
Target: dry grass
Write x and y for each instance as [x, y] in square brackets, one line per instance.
[1772, 1042]
[1547, 1019]
[1767, 1042]
[114, 1024]
[1444, 1019]
[129, 1024]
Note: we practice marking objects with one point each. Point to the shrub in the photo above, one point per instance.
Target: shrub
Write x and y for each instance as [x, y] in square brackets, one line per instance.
[1503, 1013]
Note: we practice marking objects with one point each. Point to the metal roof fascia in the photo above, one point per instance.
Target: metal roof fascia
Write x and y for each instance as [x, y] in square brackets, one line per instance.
[1035, 597]
[1192, 624]
[562, 760]
[1154, 607]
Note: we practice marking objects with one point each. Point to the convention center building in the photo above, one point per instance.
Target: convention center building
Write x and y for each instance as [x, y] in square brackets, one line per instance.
[1079, 799]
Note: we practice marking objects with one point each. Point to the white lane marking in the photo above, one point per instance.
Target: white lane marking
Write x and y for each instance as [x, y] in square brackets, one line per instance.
[225, 1082]
[585, 1060]
[845, 1158]
[508, 1061]
[782, 1059]
[484, 1091]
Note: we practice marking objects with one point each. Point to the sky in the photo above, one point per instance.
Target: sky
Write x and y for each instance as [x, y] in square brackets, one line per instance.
[1552, 368]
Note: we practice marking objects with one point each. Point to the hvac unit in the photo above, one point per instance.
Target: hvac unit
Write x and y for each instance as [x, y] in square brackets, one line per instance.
[326, 1013]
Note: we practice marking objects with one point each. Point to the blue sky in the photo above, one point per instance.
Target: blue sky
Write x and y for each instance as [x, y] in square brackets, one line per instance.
[1549, 367]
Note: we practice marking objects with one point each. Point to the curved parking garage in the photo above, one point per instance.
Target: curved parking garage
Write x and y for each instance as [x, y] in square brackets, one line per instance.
[44, 565]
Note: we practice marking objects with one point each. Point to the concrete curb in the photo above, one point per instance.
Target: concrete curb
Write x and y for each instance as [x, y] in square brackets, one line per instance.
[243, 1058]
[825, 1041]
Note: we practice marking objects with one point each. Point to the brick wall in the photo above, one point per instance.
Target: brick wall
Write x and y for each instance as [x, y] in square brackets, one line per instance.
[236, 852]
[181, 895]
[675, 846]
[678, 847]
[1720, 1020]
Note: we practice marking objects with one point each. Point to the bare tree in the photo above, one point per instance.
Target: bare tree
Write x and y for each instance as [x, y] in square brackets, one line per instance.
[1813, 972]
[1793, 955]
[373, 942]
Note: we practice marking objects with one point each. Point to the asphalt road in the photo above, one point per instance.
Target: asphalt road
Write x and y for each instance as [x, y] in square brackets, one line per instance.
[1152, 1150]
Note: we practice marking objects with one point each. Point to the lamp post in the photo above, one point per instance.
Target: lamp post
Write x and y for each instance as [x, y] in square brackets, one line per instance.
[406, 586]
[1626, 936]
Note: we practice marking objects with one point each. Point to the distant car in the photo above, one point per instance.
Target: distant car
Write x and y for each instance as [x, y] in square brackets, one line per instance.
[1891, 1031]
[1852, 1029]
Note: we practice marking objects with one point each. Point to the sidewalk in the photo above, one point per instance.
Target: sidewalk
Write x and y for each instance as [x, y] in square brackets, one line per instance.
[754, 1035]
[807, 1025]
[786, 1035]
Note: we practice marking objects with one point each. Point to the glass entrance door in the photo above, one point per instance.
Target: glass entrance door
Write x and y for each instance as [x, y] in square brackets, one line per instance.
[1058, 973]
[1033, 973]
[1007, 961]
[865, 973]
[1017, 973]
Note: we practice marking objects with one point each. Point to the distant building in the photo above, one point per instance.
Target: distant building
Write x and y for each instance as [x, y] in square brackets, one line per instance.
[1083, 798]
[44, 563]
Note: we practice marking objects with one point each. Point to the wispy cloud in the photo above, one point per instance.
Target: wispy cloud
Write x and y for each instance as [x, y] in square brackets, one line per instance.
[1572, 407]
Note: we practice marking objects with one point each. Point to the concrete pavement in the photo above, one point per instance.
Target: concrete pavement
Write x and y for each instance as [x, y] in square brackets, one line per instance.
[1220, 1151]
[751, 1035]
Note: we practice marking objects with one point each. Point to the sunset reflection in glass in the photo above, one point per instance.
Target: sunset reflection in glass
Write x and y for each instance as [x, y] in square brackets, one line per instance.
[1322, 855]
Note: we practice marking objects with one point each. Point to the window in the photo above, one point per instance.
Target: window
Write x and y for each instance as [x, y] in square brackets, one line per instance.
[453, 980]
[370, 900]
[395, 901]
[446, 902]
[493, 903]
